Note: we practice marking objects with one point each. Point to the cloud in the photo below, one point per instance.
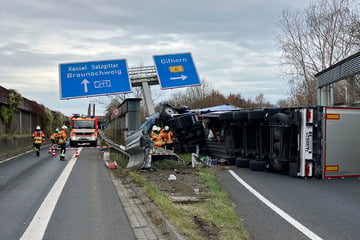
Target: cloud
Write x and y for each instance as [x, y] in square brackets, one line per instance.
[231, 42]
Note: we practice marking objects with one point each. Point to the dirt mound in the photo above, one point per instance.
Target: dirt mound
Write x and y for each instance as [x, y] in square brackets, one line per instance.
[180, 183]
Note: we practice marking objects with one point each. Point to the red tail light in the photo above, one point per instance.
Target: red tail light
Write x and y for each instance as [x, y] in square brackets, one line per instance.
[308, 115]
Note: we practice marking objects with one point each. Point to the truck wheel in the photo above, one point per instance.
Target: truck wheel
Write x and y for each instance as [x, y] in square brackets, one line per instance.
[241, 162]
[256, 165]
[277, 165]
[276, 134]
[292, 169]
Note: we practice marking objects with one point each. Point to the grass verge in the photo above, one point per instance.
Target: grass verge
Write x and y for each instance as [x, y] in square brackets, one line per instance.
[211, 219]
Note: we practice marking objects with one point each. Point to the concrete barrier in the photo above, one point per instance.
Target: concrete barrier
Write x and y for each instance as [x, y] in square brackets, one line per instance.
[12, 146]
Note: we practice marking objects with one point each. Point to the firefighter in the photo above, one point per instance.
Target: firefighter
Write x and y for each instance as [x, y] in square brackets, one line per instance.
[63, 130]
[54, 140]
[168, 137]
[38, 138]
[157, 137]
[62, 142]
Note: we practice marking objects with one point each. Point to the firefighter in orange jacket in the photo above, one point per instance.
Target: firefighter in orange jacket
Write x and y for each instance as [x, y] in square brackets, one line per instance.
[168, 137]
[54, 139]
[64, 130]
[157, 137]
[62, 142]
[38, 138]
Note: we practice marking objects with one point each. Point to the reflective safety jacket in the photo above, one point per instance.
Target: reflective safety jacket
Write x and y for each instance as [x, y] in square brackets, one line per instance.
[158, 139]
[168, 136]
[64, 133]
[38, 137]
[62, 138]
[54, 136]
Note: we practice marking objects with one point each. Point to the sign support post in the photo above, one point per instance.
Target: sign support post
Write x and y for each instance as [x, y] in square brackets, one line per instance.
[147, 97]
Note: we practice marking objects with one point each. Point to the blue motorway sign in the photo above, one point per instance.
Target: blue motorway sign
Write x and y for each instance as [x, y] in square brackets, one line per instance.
[84, 79]
[176, 70]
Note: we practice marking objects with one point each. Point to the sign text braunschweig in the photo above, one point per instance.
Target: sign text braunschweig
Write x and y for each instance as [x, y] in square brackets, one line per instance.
[84, 79]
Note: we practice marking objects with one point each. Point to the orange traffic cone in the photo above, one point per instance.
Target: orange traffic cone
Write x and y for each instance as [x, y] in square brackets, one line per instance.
[77, 153]
[49, 150]
[53, 152]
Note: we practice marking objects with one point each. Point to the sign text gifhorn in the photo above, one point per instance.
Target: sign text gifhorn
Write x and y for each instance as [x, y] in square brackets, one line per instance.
[176, 70]
[171, 60]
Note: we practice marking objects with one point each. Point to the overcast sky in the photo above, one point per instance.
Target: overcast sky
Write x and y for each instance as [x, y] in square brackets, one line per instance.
[231, 42]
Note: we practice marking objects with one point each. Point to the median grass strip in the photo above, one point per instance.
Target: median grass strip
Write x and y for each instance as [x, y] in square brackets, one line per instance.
[214, 218]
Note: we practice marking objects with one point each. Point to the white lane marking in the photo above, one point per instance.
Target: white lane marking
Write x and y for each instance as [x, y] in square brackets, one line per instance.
[38, 224]
[307, 232]
[10, 158]
[6, 160]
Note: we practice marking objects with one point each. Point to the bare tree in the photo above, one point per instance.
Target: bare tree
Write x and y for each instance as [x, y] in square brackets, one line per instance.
[260, 101]
[193, 97]
[315, 39]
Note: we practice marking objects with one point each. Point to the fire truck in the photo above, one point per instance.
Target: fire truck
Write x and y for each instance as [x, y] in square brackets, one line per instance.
[83, 130]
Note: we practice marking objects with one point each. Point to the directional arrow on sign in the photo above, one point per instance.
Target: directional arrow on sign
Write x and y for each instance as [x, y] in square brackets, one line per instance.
[85, 82]
[182, 77]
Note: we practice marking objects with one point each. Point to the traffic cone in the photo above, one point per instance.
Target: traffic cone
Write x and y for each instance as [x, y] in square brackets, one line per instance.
[77, 153]
[49, 150]
[53, 152]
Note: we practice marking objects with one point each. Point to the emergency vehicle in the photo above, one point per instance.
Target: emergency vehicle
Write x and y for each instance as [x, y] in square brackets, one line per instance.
[83, 130]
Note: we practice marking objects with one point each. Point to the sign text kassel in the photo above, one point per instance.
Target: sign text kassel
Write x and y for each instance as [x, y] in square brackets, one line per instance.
[84, 79]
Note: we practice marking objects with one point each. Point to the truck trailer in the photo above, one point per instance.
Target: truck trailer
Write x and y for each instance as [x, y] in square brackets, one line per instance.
[321, 142]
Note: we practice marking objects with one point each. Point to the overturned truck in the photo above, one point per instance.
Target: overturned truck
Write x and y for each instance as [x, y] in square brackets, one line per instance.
[185, 125]
[320, 142]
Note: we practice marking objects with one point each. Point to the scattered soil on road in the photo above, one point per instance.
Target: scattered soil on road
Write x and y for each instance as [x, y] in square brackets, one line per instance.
[181, 181]
[186, 189]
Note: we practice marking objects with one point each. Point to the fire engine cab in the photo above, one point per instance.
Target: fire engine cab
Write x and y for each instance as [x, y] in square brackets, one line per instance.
[83, 130]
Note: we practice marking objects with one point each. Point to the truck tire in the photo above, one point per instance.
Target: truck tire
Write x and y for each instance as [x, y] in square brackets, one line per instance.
[167, 113]
[281, 118]
[276, 134]
[277, 165]
[256, 165]
[241, 162]
[292, 169]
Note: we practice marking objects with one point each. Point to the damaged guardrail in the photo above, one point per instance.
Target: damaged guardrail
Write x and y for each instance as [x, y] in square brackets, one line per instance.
[140, 150]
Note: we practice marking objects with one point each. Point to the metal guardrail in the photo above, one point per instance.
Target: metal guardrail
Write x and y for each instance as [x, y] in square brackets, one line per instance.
[113, 145]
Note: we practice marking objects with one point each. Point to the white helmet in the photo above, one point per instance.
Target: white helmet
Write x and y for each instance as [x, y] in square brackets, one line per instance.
[64, 127]
[154, 128]
[38, 128]
[167, 128]
[56, 130]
